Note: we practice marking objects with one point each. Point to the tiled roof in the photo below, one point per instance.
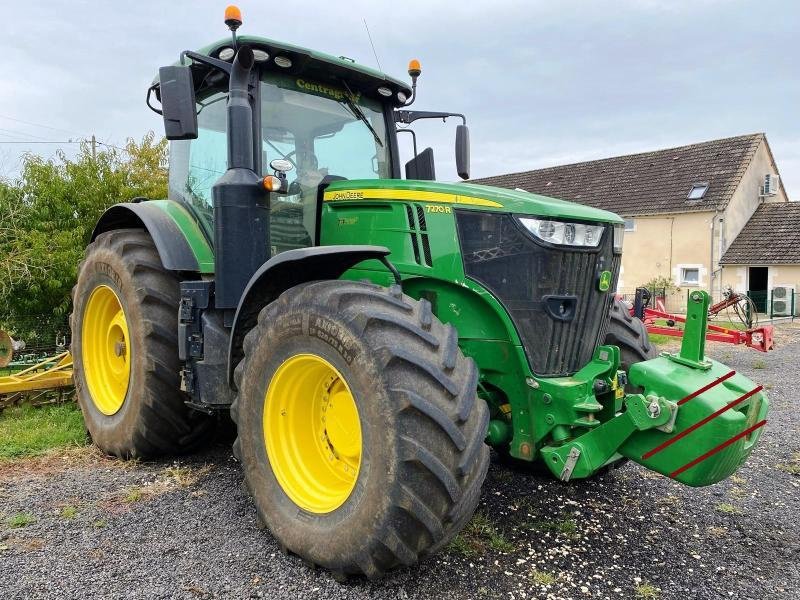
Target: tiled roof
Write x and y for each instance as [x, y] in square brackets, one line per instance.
[645, 184]
[771, 236]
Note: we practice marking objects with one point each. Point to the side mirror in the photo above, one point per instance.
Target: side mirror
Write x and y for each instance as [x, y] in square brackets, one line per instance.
[177, 102]
[462, 151]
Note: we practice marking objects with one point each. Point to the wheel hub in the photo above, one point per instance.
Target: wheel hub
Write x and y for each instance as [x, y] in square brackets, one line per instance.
[312, 433]
[106, 360]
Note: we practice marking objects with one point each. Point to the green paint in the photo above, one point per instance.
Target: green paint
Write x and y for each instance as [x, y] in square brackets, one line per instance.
[535, 417]
[663, 377]
[693, 345]
[517, 202]
[325, 60]
[189, 224]
[604, 283]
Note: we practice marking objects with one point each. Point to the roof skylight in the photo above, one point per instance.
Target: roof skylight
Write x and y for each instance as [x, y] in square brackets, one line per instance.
[698, 191]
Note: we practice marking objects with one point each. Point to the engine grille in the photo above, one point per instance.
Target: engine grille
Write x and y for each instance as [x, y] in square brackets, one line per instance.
[522, 273]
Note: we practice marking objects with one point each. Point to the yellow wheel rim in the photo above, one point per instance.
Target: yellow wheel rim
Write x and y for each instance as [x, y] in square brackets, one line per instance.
[312, 433]
[106, 350]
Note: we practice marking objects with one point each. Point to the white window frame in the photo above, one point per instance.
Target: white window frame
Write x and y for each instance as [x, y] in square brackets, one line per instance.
[685, 281]
[632, 221]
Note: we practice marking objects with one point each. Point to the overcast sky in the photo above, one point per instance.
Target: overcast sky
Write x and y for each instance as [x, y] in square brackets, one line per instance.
[542, 82]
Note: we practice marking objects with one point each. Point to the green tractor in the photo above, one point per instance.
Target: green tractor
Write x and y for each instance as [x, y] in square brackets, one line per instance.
[371, 335]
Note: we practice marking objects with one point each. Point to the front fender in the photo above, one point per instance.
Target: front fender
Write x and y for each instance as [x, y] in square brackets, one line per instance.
[285, 271]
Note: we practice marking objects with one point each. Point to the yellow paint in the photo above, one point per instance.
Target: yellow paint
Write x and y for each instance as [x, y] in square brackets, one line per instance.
[312, 433]
[51, 373]
[402, 195]
[105, 344]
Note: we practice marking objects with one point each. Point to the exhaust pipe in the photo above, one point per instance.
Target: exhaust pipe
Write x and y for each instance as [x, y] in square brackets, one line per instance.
[241, 205]
[240, 113]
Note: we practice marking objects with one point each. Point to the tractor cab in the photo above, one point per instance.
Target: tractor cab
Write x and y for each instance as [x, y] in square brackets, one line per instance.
[316, 119]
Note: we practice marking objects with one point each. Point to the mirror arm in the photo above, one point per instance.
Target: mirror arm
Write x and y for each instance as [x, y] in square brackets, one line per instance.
[413, 137]
[207, 60]
[150, 90]
[409, 116]
[200, 58]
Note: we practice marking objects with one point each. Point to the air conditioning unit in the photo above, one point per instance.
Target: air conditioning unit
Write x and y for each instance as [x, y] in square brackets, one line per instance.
[782, 301]
[770, 187]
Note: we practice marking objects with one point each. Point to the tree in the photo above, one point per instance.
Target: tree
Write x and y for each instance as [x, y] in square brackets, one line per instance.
[48, 214]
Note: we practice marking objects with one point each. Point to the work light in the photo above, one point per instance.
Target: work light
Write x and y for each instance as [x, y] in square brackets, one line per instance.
[619, 236]
[565, 234]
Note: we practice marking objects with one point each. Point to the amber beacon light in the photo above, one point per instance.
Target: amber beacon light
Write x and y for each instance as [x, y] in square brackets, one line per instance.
[233, 17]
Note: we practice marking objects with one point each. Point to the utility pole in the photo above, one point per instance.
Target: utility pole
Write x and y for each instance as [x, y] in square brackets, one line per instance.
[94, 148]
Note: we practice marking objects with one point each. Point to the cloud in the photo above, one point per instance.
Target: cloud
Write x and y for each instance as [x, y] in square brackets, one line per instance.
[541, 82]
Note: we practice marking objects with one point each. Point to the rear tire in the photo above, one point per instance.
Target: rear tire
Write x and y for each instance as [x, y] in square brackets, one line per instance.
[148, 417]
[422, 457]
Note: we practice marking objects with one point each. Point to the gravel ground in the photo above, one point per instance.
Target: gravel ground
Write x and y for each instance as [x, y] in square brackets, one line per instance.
[104, 529]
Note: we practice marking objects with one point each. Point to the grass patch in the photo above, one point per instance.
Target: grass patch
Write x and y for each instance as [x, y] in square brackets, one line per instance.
[100, 523]
[186, 476]
[542, 577]
[68, 512]
[19, 520]
[169, 479]
[792, 467]
[30, 431]
[479, 535]
[759, 364]
[134, 494]
[737, 492]
[660, 340]
[728, 509]
[566, 527]
[646, 591]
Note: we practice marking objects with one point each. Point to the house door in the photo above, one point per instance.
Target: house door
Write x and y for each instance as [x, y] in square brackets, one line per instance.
[757, 287]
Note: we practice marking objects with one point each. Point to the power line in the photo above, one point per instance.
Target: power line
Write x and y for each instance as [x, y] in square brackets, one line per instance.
[16, 133]
[37, 142]
[39, 125]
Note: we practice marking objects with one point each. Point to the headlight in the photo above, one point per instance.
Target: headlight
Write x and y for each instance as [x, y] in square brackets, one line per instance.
[566, 234]
[619, 235]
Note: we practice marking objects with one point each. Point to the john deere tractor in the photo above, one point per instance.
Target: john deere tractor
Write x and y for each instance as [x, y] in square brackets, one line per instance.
[372, 335]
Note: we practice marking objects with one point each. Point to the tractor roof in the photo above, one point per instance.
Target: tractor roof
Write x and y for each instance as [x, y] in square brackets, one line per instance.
[310, 63]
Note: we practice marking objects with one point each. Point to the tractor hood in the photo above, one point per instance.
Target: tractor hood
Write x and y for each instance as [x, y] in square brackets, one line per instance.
[470, 195]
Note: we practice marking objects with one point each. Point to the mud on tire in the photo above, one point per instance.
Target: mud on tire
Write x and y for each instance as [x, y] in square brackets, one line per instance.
[423, 457]
[153, 419]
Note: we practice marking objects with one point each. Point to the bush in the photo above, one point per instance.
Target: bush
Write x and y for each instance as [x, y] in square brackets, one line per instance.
[661, 283]
[48, 214]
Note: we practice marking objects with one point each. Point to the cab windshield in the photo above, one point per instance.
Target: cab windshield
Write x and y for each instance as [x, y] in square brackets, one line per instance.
[321, 129]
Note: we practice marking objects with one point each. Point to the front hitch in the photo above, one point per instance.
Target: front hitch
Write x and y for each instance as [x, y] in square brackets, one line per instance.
[696, 420]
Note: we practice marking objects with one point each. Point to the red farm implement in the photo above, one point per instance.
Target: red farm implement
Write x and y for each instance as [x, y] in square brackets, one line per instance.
[735, 305]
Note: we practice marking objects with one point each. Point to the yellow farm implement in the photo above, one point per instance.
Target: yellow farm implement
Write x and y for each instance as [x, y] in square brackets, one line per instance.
[47, 381]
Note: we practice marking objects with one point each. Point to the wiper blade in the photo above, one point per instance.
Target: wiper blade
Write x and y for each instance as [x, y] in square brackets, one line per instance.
[359, 114]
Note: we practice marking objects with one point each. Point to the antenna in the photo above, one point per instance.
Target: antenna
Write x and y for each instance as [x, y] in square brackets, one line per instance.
[373, 45]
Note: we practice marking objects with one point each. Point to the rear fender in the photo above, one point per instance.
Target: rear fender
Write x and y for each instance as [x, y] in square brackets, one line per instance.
[178, 238]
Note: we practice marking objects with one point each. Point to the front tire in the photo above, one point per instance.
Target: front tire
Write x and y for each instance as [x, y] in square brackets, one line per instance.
[406, 445]
[125, 348]
[630, 335]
